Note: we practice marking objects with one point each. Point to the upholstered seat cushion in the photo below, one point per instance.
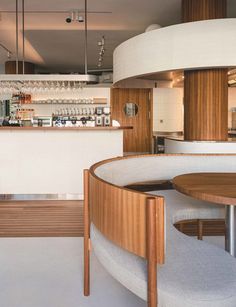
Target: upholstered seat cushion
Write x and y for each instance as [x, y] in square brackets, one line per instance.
[195, 273]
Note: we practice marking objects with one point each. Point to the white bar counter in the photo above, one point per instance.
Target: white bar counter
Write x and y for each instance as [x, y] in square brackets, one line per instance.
[51, 160]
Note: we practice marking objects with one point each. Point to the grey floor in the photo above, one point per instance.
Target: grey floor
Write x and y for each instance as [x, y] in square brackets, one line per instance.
[47, 272]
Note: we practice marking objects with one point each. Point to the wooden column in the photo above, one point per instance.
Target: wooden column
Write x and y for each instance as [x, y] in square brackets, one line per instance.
[205, 91]
[206, 105]
[194, 10]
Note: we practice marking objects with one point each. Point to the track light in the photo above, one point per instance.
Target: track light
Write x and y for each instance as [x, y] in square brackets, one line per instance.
[9, 53]
[80, 18]
[74, 16]
[101, 44]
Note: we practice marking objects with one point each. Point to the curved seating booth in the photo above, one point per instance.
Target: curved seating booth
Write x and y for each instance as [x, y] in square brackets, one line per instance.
[133, 235]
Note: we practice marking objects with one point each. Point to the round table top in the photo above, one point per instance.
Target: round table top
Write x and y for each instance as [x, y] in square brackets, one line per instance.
[218, 188]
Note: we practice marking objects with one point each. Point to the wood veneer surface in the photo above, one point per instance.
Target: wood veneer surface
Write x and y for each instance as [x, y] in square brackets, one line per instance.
[120, 215]
[218, 188]
[211, 227]
[205, 91]
[206, 105]
[15, 220]
[10, 67]
[139, 138]
[41, 218]
[194, 10]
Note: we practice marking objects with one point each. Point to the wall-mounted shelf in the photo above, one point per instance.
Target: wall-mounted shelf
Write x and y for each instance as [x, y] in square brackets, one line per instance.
[60, 103]
[82, 101]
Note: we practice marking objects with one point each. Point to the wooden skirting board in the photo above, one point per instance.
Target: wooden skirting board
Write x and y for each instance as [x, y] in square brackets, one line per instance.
[41, 218]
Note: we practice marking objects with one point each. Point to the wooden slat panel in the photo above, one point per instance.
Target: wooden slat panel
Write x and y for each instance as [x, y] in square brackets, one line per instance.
[210, 227]
[139, 138]
[41, 218]
[10, 67]
[194, 10]
[206, 105]
[120, 215]
[205, 91]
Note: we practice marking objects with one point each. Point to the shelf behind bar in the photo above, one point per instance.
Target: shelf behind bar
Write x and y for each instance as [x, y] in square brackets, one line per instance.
[61, 103]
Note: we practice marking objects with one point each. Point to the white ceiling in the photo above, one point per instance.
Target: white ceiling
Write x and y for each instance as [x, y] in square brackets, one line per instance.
[57, 46]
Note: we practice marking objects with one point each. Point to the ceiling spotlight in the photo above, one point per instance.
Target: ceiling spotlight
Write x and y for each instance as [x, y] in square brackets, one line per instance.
[80, 18]
[71, 17]
[74, 16]
[68, 20]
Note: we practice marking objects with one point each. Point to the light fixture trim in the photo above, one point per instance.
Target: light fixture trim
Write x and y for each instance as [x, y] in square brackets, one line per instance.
[52, 77]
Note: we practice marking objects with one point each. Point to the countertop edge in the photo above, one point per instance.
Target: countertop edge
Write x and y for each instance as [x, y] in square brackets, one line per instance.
[180, 139]
[6, 128]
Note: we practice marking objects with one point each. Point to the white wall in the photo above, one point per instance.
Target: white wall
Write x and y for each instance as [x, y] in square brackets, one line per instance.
[47, 110]
[2, 68]
[43, 110]
[232, 103]
[167, 109]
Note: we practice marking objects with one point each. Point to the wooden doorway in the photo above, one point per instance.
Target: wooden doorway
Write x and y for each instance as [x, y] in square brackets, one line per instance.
[132, 107]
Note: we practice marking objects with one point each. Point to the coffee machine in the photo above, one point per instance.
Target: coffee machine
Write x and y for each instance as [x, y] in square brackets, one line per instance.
[107, 116]
[99, 116]
[102, 116]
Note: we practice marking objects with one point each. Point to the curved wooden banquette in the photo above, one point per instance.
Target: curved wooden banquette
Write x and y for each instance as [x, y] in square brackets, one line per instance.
[133, 236]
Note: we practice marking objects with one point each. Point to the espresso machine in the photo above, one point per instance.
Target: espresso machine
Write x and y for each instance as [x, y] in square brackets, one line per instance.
[107, 116]
[99, 116]
[102, 116]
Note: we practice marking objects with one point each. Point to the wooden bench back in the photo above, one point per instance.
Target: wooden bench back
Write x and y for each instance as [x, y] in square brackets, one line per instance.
[121, 216]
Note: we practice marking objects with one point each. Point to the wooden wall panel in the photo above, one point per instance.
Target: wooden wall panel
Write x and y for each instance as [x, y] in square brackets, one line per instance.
[194, 10]
[206, 105]
[120, 215]
[139, 138]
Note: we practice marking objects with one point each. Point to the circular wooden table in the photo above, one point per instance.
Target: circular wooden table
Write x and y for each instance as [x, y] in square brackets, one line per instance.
[219, 188]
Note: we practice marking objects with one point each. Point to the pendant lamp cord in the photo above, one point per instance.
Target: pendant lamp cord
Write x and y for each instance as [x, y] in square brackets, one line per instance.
[86, 39]
[23, 37]
[17, 42]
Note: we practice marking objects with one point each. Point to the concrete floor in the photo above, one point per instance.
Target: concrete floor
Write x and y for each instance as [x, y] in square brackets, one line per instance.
[48, 272]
